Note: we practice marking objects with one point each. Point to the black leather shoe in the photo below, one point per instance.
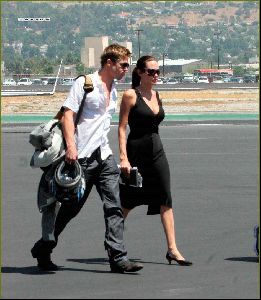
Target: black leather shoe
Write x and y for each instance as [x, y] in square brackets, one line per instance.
[46, 265]
[42, 252]
[125, 266]
[44, 261]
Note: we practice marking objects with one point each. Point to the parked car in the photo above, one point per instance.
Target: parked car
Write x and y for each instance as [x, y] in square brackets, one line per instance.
[37, 81]
[218, 79]
[24, 81]
[236, 79]
[159, 81]
[188, 78]
[46, 79]
[249, 78]
[9, 81]
[172, 81]
[226, 79]
[51, 80]
[203, 79]
[68, 81]
[165, 79]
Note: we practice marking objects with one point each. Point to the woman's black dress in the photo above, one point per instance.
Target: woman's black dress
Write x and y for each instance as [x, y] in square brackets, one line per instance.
[145, 151]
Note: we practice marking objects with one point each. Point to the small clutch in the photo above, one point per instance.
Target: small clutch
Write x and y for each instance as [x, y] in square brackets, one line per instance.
[135, 179]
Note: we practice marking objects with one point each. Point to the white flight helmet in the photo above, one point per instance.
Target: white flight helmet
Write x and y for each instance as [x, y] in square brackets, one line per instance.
[69, 182]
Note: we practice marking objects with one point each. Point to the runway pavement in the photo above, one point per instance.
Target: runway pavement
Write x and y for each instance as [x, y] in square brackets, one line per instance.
[214, 181]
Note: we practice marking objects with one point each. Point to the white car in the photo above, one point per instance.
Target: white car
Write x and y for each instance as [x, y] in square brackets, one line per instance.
[9, 81]
[218, 79]
[24, 81]
[68, 81]
[203, 79]
[187, 78]
[172, 81]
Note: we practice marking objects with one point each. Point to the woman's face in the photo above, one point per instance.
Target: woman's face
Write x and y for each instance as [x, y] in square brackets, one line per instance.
[150, 73]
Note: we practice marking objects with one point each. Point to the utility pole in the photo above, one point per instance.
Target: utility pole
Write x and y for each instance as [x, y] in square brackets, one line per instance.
[138, 31]
[217, 33]
[163, 64]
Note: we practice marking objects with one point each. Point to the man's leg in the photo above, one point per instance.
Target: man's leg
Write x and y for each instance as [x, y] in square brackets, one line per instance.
[43, 248]
[108, 188]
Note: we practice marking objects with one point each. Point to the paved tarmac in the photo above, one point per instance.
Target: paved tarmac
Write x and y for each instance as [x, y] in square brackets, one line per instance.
[215, 179]
[124, 86]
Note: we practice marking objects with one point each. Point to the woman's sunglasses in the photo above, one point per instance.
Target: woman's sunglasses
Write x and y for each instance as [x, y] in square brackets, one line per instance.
[152, 72]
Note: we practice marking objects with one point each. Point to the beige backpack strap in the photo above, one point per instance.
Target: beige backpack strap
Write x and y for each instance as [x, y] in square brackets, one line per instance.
[88, 85]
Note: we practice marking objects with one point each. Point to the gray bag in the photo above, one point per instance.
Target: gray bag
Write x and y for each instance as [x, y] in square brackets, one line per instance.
[42, 135]
[47, 138]
[50, 142]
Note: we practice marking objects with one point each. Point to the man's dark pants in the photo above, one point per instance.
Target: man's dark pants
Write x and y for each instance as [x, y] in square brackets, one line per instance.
[105, 176]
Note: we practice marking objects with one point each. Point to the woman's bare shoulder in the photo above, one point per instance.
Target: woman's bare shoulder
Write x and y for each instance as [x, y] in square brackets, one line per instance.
[129, 93]
[129, 96]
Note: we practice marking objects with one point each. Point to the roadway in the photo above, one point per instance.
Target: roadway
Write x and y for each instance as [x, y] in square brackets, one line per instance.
[124, 86]
[214, 178]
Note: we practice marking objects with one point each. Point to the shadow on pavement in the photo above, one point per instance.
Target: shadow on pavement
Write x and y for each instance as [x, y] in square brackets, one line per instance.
[31, 270]
[103, 261]
[35, 271]
[245, 259]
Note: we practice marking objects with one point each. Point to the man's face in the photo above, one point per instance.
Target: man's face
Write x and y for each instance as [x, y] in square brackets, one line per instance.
[120, 68]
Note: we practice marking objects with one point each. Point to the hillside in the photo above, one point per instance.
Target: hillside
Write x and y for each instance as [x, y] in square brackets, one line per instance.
[179, 29]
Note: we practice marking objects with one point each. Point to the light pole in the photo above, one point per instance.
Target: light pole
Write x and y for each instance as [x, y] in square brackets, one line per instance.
[138, 31]
[163, 63]
[217, 34]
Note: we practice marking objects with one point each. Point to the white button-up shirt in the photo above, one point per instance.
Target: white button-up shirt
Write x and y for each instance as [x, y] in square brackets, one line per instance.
[94, 124]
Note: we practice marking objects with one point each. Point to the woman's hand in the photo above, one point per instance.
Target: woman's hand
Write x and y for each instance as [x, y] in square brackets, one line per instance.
[125, 167]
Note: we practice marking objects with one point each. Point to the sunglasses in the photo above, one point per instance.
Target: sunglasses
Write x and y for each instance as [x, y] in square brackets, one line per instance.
[124, 65]
[152, 72]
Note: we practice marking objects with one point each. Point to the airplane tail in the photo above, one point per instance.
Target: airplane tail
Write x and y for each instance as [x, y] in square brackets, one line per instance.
[57, 77]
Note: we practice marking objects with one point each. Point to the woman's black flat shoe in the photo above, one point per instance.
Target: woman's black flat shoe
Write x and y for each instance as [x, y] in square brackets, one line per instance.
[181, 262]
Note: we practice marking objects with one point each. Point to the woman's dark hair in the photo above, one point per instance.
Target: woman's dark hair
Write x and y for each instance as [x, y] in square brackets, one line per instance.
[140, 65]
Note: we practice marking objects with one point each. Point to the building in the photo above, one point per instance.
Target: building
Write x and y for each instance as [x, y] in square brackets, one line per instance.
[93, 48]
[180, 65]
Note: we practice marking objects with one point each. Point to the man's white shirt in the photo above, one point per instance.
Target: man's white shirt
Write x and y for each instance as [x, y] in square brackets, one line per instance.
[94, 124]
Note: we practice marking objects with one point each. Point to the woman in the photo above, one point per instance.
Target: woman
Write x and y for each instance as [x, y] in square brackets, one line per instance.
[142, 109]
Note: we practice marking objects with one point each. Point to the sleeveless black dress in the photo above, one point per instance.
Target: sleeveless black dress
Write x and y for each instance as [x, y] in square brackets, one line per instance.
[145, 151]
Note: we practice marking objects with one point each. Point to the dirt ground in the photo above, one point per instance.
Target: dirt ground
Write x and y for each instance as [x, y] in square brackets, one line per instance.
[176, 102]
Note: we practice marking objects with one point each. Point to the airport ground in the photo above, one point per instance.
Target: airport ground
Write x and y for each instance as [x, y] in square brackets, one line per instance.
[234, 100]
[214, 183]
[215, 187]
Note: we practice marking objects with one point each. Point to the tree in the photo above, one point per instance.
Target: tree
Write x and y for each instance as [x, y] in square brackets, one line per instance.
[79, 68]
[48, 69]
[238, 70]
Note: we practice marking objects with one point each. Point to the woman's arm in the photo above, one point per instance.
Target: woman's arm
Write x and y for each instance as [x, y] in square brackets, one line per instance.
[128, 101]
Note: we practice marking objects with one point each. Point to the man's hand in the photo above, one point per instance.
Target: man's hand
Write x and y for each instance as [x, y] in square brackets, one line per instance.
[71, 154]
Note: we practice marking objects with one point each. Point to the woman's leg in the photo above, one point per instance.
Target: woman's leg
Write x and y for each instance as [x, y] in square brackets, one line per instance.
[167, 219]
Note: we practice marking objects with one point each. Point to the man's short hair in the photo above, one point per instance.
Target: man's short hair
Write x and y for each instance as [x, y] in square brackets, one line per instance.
[114, 52]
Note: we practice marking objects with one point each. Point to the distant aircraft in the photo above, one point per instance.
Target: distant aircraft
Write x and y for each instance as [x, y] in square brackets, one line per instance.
[32, 93]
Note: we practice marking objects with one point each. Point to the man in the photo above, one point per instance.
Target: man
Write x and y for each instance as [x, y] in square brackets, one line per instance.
[89, 145]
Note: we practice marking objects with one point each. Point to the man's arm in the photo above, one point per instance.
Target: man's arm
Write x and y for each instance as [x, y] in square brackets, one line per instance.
[71, 154]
